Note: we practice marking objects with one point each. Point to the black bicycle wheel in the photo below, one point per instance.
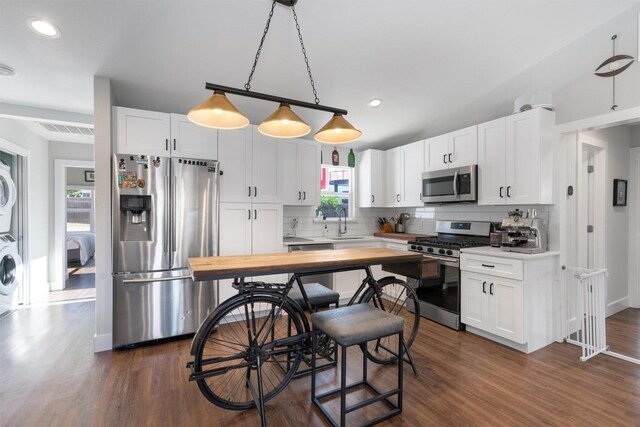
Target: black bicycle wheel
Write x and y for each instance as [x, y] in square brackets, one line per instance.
[397, 298]
[237, 339]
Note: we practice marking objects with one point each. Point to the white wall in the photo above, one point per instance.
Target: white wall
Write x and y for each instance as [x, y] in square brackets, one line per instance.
[616, 142]
[38, 203]
[635, 136]
[103, 100]
[75, 176]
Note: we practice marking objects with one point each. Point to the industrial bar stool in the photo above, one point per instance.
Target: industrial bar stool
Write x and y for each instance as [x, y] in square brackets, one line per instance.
[349, 326]
[318, 296]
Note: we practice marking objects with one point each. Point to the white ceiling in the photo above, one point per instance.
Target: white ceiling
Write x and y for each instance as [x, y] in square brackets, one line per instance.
[425, 59]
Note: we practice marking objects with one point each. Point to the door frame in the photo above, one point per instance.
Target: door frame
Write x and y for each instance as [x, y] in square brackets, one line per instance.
[60, 215]
[634, 228]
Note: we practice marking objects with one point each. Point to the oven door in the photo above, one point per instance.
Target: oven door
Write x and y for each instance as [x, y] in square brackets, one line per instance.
[450, 185]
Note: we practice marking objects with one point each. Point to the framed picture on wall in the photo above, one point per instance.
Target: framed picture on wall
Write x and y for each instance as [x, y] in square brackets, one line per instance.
[619, 192]
[89, 176]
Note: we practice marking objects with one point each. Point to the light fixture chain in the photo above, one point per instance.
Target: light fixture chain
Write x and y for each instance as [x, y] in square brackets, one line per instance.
[304, 53]
[247, 85]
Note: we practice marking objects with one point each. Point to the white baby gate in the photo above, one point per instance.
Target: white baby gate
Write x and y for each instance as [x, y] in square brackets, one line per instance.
[586, 297]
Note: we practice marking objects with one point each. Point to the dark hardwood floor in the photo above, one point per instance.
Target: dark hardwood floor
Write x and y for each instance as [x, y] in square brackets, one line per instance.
[623, 332]
[81, 276]
[50, 376]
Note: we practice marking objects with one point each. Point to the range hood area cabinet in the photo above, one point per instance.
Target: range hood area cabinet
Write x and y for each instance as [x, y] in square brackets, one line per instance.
[249, 228]
[298, 172]
[515, 159]
[162, 134]
[371, 179]
[451, 150]
[249, 163]
[404, 167]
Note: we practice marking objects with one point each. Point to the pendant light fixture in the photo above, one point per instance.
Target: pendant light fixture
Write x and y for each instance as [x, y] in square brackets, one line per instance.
[218, 112]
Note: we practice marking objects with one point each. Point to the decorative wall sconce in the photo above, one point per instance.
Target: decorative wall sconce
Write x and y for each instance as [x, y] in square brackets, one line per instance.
[613, 66]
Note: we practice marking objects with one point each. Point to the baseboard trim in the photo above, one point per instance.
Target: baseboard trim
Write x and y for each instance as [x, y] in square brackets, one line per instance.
[617, 306]
[102, 343]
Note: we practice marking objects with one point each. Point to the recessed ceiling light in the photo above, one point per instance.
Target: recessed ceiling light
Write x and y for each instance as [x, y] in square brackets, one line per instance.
[375, 102]
[6, 71]
[43, 28]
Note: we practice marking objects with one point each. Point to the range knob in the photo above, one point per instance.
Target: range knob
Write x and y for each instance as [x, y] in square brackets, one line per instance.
[420, 248]
[441, 251]
[449, 252]
[429, 249]
[413, 246]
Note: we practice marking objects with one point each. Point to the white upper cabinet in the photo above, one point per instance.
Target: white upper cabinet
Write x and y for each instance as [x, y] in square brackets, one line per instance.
[515, 159]
[394, 177]
[412, 168]
[191, 140]
[234, 152]
[162, 134]
[404, 175]
[249, 163]
[141, 132]
[452, 150]
[299, 172]
[371, 179]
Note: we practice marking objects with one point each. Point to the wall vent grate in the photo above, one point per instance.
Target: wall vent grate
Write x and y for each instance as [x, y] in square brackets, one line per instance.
[72, 130]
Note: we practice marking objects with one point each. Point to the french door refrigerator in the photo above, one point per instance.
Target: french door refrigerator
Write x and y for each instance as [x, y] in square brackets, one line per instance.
[165, 210]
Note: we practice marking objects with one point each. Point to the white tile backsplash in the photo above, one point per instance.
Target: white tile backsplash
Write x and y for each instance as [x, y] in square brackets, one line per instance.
[423, 219]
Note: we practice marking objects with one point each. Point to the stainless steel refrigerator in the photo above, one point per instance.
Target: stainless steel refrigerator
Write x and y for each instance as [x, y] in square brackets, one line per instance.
[165, 210]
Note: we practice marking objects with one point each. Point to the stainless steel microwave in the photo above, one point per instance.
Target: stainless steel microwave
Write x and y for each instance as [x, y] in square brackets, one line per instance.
[451, 185]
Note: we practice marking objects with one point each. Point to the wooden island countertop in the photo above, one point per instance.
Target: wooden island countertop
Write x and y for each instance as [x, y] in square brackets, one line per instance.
[225, 267]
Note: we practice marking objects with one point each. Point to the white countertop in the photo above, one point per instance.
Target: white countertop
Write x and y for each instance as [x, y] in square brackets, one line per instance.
[498, 252]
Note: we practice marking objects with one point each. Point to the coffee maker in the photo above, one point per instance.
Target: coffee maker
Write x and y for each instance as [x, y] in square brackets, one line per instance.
[526, 235]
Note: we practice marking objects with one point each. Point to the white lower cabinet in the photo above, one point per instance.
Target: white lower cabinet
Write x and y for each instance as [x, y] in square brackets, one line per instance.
[249, 228]
[509, 300]
[346, 283]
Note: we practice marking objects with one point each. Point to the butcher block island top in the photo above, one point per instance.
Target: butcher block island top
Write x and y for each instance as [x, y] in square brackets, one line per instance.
[225, 267]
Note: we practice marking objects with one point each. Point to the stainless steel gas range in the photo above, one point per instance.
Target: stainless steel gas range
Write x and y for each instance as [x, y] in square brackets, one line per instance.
[437, 281]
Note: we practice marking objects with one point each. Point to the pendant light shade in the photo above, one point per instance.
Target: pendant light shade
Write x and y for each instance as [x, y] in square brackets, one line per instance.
[284, 123]
[337, 131]
[218, 112]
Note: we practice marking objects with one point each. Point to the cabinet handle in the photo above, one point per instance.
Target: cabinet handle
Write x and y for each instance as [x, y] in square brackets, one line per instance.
[488, 266]
[372, 198]
[484, 290]
[501, 189]
[299, 195]
[398, 198]
[174, 143]
[304, 195]
[249, 211]
[255, 191]
[249, 194]
[491, 289]
[166, 144]
[508, 191]
[444, 159]
[255, 214]
[449, 157]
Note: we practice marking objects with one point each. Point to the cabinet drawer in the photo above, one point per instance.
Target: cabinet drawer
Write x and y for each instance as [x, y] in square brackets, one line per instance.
[503, 267]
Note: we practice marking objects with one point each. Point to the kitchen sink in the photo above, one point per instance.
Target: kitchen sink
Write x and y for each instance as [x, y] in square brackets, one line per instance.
[346, 238]
[296, 240]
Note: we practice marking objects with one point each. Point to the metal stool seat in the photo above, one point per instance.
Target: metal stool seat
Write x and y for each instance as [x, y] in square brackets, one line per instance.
[353, 325]
[318, 296]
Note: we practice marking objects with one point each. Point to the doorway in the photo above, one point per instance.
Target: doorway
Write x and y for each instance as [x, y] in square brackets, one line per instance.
[74, 231]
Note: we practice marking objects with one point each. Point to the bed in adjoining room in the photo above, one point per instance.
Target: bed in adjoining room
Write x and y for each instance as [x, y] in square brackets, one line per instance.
[81, 246]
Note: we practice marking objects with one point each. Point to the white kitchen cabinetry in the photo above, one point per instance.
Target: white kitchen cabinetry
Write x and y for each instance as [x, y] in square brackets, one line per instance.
[452, 150]
[508, 300]
[162, 134]
[299, 172]
[249, 228]
[249, 163]
[404, 175]
[515, 159]
[371, 179]
[346, 283]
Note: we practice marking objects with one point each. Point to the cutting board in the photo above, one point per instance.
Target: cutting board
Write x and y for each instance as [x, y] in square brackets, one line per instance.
[401, 236]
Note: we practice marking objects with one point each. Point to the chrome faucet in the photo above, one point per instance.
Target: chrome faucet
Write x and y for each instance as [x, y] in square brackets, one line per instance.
[341, 211]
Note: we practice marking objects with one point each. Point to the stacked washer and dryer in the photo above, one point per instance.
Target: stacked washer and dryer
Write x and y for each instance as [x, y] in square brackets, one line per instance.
[10, 261]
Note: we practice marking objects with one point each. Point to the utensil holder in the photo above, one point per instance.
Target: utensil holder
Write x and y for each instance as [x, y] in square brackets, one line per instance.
[399, 228]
